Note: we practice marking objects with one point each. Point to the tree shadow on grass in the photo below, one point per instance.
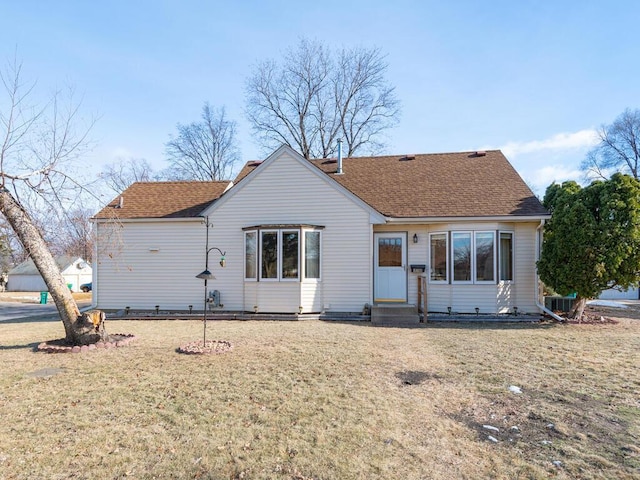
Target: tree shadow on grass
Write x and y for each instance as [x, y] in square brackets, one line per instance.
[479, 325]
[32, 346]
[34, 319]
[459, 325]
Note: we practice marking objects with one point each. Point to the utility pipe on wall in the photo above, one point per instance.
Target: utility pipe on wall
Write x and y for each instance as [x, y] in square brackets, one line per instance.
[537, 279]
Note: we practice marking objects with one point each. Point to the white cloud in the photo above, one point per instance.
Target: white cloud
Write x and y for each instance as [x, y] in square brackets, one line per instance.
[580, 140]
[555, 173]
[553, 159]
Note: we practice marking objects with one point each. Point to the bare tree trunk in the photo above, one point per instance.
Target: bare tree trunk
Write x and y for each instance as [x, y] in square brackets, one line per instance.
[33, 243]
[578, 308]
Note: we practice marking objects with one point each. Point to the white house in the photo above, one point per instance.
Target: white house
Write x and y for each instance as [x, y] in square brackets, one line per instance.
[26, 278]
[329, 235]
[615, 294]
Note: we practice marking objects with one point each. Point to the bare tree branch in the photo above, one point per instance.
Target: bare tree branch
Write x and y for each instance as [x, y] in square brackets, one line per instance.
[123, 172]
[36, 144]
[619, 147]
[205, 150]
[314, 96]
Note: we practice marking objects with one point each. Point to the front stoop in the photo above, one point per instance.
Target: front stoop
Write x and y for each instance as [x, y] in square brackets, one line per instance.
[395, 315]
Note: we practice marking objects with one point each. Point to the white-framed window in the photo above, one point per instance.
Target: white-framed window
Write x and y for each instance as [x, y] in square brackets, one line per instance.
[485, 257]
[290, 255]
[462, 257]
[269, 254]
[473, 257]
[312, 249]
[438, 257]
[506, 256]
[251, 255]
[281, 254]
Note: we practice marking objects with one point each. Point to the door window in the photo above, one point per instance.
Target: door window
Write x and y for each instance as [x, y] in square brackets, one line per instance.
[390, 252]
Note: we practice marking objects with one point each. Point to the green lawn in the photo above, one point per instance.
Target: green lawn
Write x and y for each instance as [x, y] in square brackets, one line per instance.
[301, 400]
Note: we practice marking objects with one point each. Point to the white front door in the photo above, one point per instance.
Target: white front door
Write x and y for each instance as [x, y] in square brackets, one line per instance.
[390, 269]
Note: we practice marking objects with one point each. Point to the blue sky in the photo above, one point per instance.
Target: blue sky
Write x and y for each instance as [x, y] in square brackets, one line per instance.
[533, 78]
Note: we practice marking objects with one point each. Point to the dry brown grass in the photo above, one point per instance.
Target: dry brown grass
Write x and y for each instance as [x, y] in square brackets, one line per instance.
[303, 400]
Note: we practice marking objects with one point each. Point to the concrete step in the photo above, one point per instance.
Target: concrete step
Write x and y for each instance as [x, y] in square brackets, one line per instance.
[395, 315]
[396, 321]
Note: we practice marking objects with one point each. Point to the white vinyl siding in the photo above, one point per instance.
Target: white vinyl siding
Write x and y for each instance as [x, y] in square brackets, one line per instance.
[493, 297]
[272, 297]
[148, 263]
[311, 296]
[525, 284]
[141, 265]
[346, 252]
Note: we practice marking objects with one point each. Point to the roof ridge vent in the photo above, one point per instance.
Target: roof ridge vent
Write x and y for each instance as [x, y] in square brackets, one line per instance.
[481, 153]
[410, 156]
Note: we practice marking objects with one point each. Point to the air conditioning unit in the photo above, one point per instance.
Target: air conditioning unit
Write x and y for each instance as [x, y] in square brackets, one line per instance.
[559, 304]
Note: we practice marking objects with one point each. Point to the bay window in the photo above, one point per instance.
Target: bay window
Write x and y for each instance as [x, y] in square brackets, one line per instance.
[279, 254]
[476, 257]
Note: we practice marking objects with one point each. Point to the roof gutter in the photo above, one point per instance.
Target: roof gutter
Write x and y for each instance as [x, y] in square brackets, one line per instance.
[536, 283]
[495, 218]
[146, 220]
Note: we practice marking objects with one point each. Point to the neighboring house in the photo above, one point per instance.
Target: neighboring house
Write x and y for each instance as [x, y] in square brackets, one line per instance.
[26, 278]
[615, 294]
[328, 236]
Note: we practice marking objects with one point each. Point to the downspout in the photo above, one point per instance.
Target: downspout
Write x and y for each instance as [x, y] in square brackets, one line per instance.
[537, 279]
[94, 270]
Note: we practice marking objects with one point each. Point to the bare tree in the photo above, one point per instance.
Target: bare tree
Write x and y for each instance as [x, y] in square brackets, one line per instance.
[618, 149]
[205, 150]
[35, 146]
[6, 250]
[72, 234]
[315, 96]
[123, 172]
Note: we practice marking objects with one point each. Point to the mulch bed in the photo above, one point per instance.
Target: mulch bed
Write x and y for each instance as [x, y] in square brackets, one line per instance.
[61, 346]
[212, 346]
[592, 319]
